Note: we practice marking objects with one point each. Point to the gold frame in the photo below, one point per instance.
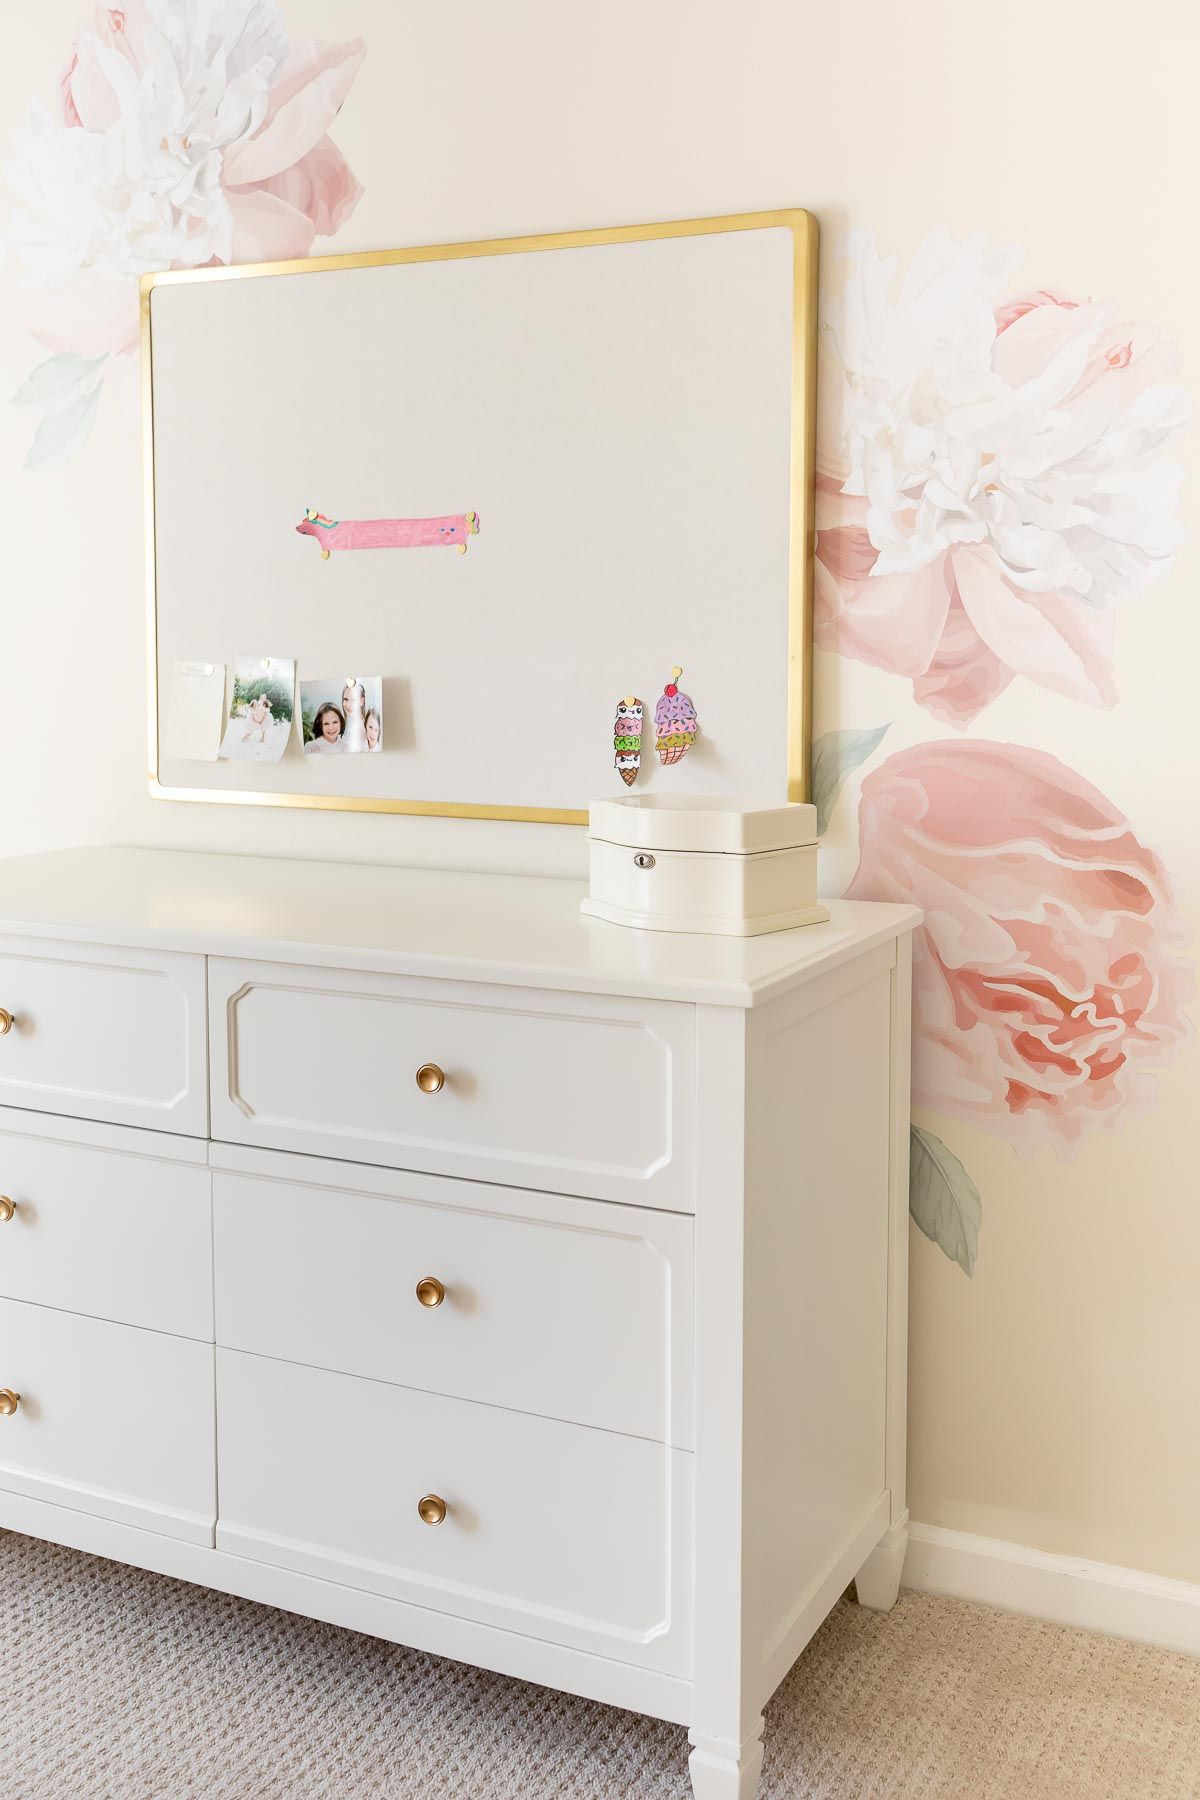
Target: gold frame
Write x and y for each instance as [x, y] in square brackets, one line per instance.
[803, 228]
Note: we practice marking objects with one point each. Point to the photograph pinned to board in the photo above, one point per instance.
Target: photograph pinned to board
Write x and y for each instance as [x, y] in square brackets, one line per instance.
[195, 711]
[342, 716]
[260, 710]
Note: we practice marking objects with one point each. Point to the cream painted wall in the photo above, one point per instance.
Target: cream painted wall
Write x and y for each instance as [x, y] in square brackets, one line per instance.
[1056, 1395]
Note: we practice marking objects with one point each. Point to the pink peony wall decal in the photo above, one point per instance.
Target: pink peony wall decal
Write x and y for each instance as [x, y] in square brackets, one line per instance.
[990, 483]
[187, 132]
[1046, 981]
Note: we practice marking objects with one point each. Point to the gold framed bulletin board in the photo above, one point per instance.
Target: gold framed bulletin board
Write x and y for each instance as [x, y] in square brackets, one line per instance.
[625, 418]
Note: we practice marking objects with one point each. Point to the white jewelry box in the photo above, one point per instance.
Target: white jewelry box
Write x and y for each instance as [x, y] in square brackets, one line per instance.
[704, 865]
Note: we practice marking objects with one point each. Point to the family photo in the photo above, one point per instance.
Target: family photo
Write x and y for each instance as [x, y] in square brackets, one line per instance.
[260, 710]
[342, 717]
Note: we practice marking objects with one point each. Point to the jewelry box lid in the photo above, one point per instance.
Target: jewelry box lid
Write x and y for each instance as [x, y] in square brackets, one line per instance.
[700, 822]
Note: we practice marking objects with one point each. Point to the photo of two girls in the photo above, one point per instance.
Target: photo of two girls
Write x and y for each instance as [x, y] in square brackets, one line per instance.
[342, 718]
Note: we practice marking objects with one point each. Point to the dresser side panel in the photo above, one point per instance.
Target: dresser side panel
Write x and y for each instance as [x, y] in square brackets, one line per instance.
[816, 1297]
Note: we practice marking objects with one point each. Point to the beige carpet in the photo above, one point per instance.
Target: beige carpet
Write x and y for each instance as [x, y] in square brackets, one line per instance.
[117, 1685]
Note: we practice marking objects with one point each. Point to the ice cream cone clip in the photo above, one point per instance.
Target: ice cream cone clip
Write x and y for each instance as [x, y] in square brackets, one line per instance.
[627, 739]
[675, 723]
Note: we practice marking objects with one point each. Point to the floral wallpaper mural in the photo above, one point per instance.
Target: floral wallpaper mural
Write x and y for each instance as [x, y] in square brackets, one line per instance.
[185, 132]
[992, 489]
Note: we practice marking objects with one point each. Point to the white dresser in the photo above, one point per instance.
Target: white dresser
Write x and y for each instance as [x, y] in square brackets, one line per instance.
[405, 1250]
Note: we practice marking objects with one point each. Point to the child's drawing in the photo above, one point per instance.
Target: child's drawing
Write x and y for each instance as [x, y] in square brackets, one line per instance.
[451, 530]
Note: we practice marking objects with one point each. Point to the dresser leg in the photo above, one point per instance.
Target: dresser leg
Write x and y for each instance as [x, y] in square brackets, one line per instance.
[878, 1581]
[725, 1771]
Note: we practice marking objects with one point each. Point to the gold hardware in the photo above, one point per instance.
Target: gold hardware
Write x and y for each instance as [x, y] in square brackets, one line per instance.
[430, 1291]
[6, 1022]
[9, 1403]
[431, 1079]
[432, 1509]
[7, 1209]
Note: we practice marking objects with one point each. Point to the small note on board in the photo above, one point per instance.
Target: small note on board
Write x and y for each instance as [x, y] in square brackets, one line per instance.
[195, 711]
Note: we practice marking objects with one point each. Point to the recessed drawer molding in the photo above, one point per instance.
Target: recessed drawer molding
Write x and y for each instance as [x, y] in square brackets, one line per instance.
[573, 1093]
[98, 1033]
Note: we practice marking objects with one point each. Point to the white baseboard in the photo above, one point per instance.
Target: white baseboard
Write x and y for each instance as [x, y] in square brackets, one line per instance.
[1125, 1603]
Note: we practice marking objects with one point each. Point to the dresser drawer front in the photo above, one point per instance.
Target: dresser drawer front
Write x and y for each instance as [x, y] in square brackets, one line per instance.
[99, 1033]
[574, 1309]
[579, 1094]
[117, 1227]
[112, 1421]
[575, 1536]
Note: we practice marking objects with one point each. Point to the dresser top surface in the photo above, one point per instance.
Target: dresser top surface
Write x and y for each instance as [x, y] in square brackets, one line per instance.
[516, 929]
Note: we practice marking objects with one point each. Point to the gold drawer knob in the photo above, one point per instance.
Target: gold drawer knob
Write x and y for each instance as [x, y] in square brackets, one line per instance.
[9, 1403]
[430, 1291]
[432, 1509]
[6, 1022]
[431, 1079]
[7, 1209]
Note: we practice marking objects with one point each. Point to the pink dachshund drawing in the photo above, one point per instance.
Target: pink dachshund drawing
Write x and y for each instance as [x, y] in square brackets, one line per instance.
[389, 534]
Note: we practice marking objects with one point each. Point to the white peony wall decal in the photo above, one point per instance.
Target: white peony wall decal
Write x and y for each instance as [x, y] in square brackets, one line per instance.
[187, 132]
[990, 477]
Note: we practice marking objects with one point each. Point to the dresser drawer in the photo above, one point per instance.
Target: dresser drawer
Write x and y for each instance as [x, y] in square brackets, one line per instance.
[576, 1309]
[111, 1421]
[576, 1536]
[580, 1094]
[106, 1221]
[99, 1033]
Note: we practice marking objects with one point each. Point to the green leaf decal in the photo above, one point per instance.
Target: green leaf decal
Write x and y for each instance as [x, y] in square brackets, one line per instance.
[835, 756]
[60, 435]
[943, 1199]
[55, 383]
